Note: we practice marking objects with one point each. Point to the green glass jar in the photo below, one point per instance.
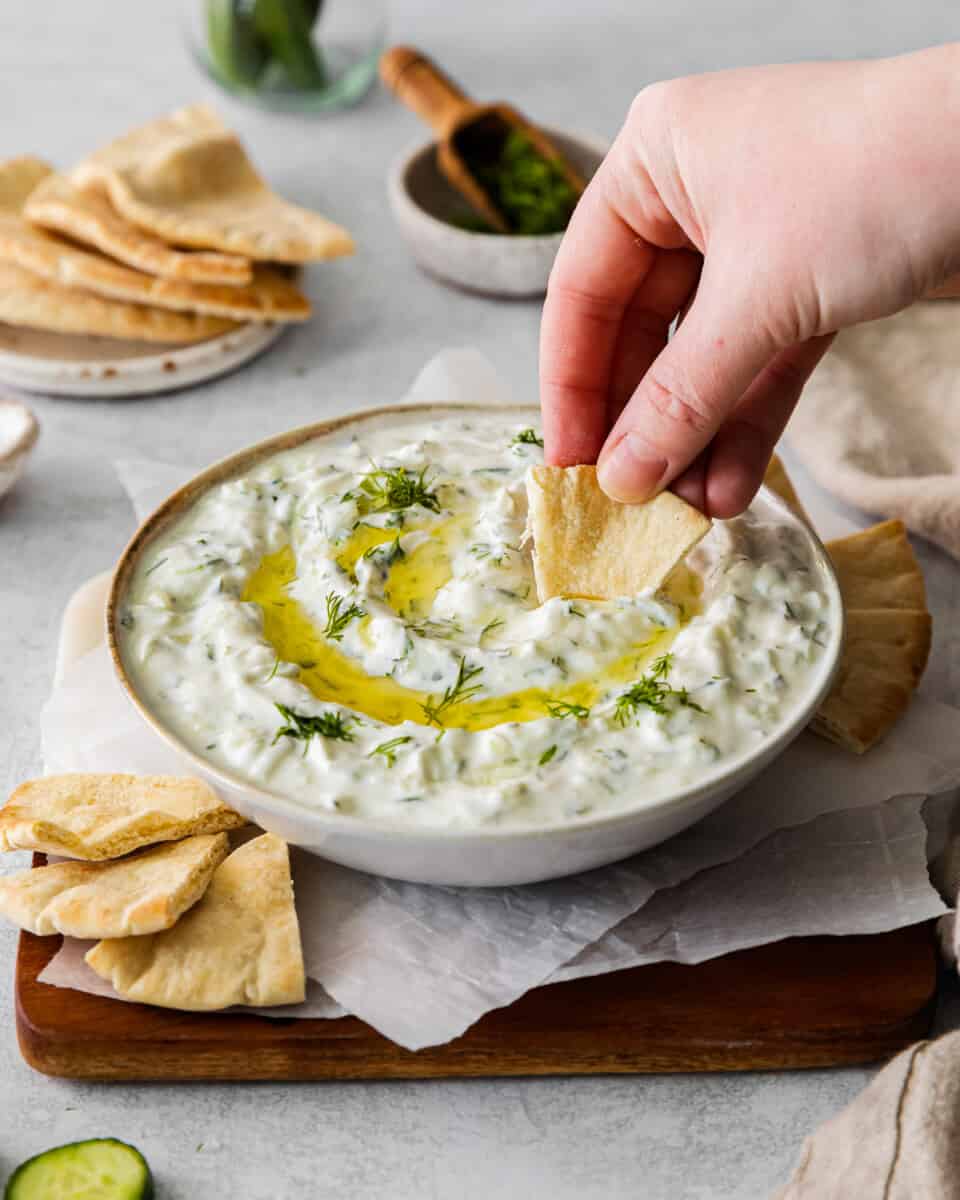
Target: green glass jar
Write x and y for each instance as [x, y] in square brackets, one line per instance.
[292, 55]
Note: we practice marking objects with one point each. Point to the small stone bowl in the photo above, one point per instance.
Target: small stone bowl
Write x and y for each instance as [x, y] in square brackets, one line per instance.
[424, 205]
[19, 431]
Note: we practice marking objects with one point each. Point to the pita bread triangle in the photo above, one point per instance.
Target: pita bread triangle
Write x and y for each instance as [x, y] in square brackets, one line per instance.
[125, 897]
[86, 216]
[587, 545]
[240, 944]
[186, 179]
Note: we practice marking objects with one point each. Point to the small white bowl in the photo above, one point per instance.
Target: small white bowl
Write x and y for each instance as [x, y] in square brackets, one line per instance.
[19, 431]
[485, 856]
[424, 205]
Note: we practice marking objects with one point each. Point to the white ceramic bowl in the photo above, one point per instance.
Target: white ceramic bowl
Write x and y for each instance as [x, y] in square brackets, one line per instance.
[19, 431]
[424, 204]
[483, 856]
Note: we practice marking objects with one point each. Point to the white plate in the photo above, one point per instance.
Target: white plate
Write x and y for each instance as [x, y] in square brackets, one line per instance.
[57, 364]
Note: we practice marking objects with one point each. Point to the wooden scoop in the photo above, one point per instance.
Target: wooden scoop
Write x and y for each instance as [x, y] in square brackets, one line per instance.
[466, 131]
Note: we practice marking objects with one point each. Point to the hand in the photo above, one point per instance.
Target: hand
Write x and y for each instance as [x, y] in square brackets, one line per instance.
[770, 207]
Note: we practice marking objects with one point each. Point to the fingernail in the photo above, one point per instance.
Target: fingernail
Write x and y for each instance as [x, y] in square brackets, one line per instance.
[628, 472]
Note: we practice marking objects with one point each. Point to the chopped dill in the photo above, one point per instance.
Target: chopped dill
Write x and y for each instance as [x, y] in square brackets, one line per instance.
[301, 727]
[489, 628]
[388, 489]
[276, 667]
[150, 570]
[389, 553]
[458, 692]
[339, 617]
[527, 437]
[654, 692]
[438, 627]
[560, 709]
[388, 750]
[546, 756]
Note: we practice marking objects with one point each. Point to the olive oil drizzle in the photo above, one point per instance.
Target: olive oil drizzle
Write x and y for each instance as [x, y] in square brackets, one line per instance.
[332, 676]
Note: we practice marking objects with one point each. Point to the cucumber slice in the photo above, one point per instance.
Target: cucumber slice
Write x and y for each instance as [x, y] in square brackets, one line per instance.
[99, 1169]
[236, 52]
[285, 25]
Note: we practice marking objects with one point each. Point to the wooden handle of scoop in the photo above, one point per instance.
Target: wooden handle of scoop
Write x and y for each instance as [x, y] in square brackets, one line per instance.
[420, 84]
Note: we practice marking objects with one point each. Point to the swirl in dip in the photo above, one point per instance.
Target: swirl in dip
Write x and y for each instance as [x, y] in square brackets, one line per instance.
[353, 623]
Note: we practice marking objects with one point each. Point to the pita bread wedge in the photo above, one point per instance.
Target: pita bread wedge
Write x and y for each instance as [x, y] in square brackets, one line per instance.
[18, 178]
[26, 299]
[143, 893]
[269, 297]
[187, 179]
[777, 480]
[884, 656]
[94, 817]
[87, 216]
[586, 544]
[239, 945]
[878, 569]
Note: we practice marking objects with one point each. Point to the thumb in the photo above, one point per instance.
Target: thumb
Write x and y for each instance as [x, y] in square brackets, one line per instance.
[690, 389]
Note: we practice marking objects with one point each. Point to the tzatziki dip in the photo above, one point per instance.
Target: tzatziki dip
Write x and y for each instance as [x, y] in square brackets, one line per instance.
[353, 623]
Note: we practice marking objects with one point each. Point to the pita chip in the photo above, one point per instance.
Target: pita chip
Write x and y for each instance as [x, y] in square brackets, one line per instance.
[186, 179]
[87, 216]
[269, 297]
[130, 897]
[94, 817]
[883, 658]
[26, 299]
[586, 544]
[877, 568]
[778, 481]
[240, 944]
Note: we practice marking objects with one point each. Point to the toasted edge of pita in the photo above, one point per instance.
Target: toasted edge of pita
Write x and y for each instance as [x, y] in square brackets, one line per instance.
[87, 216]
[239, 945]
[877, 568]
[95, 817]
[883, 659]
[778, 481]
[26, 299]
[128, 897]
[585, 544]
[187, 179]
[271, 296]
[19, 177]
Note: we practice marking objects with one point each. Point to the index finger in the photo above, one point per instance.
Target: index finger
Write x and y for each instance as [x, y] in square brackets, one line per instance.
[600, 265]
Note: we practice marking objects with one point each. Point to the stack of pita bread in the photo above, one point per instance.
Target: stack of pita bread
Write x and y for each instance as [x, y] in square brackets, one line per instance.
[182, 922]
[167, 234]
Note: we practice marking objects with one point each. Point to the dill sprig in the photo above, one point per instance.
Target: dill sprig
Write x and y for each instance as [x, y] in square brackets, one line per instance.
[490, 626]
[389, 489]
[654, 692]
[338, 617]
[388, 750]
[547, 755]
[560, 709]
[527, 437]
[458, 692]
[301, 727]
[388, 552]
[435, 627]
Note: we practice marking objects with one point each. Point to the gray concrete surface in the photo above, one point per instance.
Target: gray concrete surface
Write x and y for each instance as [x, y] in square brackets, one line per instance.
[71, 75]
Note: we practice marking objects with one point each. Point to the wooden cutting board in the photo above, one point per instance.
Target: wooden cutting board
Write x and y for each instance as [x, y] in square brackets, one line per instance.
[808, 1002]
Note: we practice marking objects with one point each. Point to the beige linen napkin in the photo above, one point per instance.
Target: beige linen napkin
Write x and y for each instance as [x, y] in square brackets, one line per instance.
[879, 422]
[897, 1140]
